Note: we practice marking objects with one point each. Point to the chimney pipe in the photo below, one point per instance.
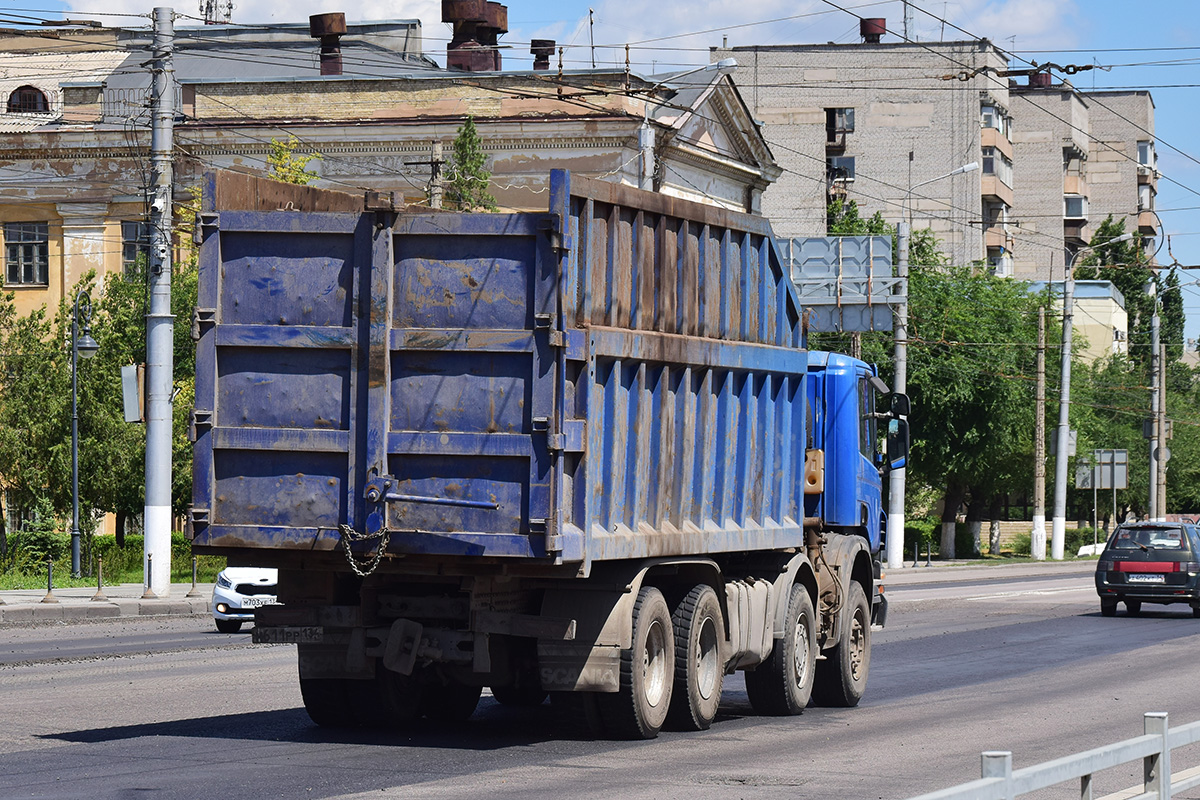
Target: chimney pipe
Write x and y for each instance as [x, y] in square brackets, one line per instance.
[329, 28]
[477, 26]
[1041, 80]
[541, 49]
[871, 29]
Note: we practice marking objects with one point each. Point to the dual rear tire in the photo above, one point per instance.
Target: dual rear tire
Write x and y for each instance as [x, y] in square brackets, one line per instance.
[674, 673]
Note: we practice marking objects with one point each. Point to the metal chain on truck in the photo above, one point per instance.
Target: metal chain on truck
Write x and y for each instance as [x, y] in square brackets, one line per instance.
[364, 567]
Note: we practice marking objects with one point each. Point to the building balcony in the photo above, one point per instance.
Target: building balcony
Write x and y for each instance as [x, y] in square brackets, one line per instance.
[1076, 232]
[1075, 184]
[1147, 223]
[1147, 175]
[995, 236]
[994, 190]
[835, 139]
[991, 137]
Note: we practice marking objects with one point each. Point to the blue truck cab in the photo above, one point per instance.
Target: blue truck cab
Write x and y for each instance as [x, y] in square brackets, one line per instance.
[848, 451]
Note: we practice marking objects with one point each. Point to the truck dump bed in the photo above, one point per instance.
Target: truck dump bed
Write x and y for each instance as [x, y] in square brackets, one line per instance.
[620, 377]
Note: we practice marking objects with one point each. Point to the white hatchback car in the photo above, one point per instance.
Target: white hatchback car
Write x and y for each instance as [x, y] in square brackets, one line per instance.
[238, 592]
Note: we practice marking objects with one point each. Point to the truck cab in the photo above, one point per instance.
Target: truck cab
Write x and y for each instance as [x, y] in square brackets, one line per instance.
[846, 454]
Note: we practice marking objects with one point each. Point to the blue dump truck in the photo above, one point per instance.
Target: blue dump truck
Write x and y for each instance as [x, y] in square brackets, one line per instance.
[582, 453]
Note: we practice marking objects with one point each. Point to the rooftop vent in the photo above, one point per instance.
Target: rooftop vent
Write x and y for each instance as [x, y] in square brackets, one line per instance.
[1041, 80]
[477, 26]
[329, 28]
[871, 29]
[541, 49]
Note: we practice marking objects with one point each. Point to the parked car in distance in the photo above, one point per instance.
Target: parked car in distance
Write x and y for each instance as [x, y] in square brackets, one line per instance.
[238, 592]
[1150, 562]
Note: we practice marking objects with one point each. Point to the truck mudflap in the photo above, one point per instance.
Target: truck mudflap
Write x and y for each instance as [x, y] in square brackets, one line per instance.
[879, 607]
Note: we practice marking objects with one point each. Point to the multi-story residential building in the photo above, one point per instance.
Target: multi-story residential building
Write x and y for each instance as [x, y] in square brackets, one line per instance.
[1082, 156]
[880, 123]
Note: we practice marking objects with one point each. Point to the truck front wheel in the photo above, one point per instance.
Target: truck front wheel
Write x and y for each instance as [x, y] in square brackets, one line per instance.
[699, 669]
[639, 709]
[782, 685]
[842, 675]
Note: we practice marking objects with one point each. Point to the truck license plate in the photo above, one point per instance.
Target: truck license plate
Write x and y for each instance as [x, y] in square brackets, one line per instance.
[1144, 577]
[305, 635]
[260, 600]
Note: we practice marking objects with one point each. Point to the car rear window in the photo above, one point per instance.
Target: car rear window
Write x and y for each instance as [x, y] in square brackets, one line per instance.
[1157, 538]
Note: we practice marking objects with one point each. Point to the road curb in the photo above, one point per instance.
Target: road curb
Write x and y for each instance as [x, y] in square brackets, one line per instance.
[75, 605]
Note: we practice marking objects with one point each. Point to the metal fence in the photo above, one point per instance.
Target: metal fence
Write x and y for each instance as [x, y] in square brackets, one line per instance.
[1000, 781]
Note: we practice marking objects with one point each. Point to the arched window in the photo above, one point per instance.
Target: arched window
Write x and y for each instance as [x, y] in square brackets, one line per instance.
[27, 100]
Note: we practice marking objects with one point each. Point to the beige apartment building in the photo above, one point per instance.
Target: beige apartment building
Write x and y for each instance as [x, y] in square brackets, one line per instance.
[879, 123]
[883, 122]
[1081, 157]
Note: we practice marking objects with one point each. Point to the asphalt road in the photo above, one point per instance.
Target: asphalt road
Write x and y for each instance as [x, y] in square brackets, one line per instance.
[166, 708]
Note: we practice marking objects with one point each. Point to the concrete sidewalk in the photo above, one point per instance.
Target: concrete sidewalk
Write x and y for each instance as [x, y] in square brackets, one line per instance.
[966, 571]
[125, 600]
[27, 606]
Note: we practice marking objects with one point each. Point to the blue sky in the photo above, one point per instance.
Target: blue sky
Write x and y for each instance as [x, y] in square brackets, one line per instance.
[668, 34]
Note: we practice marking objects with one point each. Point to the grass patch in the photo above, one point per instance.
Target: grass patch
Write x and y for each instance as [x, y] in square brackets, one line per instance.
[23, 564]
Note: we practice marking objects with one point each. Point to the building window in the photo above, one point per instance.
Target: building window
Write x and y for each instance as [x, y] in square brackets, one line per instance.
[27, 100]
[1146, 153]
[840, 169]
[26, 253]
[995, 117]
[996, 163]
[1145, 197]
[1075, 207]
[135, 241]
[838, 122]
[1000, 262]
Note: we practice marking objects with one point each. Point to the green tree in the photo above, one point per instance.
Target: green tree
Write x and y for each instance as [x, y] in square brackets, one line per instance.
[971, 338]
[284, 164]
[843, 219]
[469, 176]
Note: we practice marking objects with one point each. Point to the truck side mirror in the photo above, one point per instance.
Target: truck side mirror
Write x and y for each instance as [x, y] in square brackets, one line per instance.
[897, 443]
[901, 407]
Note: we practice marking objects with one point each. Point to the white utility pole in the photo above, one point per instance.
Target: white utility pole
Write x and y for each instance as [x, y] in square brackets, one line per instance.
[1038, 538]
[895, 517]
[895, 520]
[1155, 437]
[1058, 525]
[160, 325]
[1163, 453]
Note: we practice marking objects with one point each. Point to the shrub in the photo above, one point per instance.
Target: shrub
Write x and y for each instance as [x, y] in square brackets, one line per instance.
[1022, 544]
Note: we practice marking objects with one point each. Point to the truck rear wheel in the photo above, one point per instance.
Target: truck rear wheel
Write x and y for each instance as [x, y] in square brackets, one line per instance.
[841, 678]
[699, 669]
[782, 685]
[639, 709]
[450, 702]
[325, 702]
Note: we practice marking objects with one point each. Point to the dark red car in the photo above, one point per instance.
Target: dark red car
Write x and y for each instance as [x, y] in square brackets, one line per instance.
[1150, 562]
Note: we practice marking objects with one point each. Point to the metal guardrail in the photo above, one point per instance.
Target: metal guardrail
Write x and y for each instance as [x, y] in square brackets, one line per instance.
[999, 781]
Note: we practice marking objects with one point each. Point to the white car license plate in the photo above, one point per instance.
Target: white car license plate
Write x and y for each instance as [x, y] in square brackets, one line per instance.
[260, 600]
[1144, 577]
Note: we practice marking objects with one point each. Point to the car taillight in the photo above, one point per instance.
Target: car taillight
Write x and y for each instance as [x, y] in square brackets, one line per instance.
[1191, 567]
[1104, 566]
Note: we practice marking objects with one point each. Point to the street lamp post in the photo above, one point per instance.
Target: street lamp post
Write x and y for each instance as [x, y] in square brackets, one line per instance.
[1058, 525]
[81, 347]
[895, 518]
